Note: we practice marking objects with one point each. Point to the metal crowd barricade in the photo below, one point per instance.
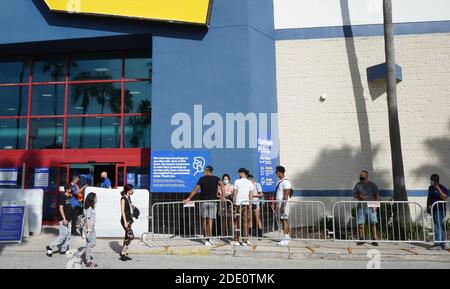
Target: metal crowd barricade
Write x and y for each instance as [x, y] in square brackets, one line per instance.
[174, 223]
[393, 221]
[265, 220]
[441, 222]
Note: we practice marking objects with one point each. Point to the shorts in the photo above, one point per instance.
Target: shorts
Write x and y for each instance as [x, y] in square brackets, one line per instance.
[370, 213]
[283, 209]
[256, 204]
[208, 210]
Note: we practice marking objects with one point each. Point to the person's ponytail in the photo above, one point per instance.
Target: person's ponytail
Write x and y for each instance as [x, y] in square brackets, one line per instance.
[126, 189]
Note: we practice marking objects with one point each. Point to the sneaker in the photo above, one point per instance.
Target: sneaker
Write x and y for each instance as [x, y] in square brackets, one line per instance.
[375, 244]
[244, 243]
[75, 234]
[248, 243]
[124, 257]
[91, 265]
[283, 243]
[208, 243]
[49, 251]
[235, 243]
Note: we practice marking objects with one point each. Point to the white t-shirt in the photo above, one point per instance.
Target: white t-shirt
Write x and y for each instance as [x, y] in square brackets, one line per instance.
[256, 190]
[283, 184]
[243, 189]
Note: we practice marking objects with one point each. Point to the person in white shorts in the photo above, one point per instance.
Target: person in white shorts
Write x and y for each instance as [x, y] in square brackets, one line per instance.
[283, 196]
[242, 194]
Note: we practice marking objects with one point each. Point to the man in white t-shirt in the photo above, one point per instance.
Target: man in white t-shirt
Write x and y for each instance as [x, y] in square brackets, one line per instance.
[283, 196]
[242, 194]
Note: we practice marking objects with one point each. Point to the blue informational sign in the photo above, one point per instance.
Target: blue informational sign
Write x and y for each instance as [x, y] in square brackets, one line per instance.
[41, 177]
[8, 176]
[266, 165]
[176, 171]
[11, 223]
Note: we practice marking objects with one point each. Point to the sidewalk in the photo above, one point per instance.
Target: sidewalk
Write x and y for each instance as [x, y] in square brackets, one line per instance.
[300, 250]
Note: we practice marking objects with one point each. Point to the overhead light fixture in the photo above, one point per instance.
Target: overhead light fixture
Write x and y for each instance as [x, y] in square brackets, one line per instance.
[79, 107]
[103, 69]
[4, 126]
[47, 95]
[135, 92]
[11, 109]
[115, 123]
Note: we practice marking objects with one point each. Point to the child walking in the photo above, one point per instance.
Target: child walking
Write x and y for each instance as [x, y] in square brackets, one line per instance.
[91, 238]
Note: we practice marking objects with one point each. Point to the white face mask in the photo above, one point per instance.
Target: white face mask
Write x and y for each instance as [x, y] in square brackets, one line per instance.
[432, 183]
[226, 182]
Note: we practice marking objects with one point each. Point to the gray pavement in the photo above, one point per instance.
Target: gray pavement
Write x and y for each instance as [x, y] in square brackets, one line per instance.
[182, 254]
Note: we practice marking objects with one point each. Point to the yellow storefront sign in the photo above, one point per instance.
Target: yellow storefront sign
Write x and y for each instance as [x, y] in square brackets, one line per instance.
[184, 11]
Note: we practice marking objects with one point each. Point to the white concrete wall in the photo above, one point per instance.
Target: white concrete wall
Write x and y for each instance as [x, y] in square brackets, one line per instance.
[324, 145]
[321, 13]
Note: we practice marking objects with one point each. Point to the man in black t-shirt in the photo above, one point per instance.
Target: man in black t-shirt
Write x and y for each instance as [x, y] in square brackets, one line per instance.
[208, 185]
[65, 218]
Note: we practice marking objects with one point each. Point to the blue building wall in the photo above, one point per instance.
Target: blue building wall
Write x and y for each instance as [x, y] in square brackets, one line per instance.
[228, 68]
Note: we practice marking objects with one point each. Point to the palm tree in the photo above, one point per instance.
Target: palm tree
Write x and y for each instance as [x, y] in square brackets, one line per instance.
[401, 213]
[57, 69]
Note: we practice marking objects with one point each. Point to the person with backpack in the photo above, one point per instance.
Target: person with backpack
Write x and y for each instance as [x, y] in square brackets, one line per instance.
[89, 229]
[284, 194]
[65, 218]
[76, 201]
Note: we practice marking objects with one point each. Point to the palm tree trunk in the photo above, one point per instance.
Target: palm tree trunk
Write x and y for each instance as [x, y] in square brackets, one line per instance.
[402, 215]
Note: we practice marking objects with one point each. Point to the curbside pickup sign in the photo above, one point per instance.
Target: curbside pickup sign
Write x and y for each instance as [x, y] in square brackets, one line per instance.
[182, 11]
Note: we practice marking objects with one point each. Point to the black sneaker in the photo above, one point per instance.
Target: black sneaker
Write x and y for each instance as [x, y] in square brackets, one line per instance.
[375, 244]
[49, 251]
[124, 257]
[360, 243]
[76, 234]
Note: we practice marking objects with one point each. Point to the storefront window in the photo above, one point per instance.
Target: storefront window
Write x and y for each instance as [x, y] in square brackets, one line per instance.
[47, 100]
[137, 132]
[138, 64]
[14, 70]
[46, 133]
[138, 97]
[12, 134]
[97, 132]
[91, 66]
[13, 100]
[49, 68]
[101, 98]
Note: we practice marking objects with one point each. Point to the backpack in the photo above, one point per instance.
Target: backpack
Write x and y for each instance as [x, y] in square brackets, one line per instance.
[291, 193]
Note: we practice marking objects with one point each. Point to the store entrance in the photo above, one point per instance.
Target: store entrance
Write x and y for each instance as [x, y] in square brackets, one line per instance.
[91, 173]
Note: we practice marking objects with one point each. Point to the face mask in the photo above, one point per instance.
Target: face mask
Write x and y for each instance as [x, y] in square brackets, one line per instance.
[226, 182]
[432, 183]
[362, 179]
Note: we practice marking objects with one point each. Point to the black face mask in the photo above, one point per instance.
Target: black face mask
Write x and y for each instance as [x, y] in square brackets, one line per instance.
[103, 178]
[362, 179]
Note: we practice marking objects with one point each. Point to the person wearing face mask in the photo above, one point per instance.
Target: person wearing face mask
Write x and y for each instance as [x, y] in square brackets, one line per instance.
[106, 183]
[437, 193]
[366, 191]
[226, 207]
